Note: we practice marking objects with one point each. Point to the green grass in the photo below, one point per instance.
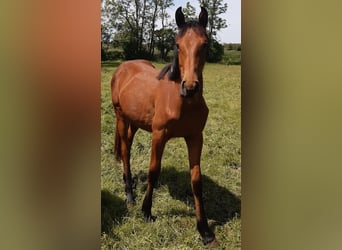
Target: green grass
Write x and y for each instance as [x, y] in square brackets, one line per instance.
[231, 57]
[124, 228]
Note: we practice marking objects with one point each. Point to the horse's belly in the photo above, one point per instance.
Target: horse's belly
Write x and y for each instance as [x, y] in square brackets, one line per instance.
[141, 118]
[137, 104]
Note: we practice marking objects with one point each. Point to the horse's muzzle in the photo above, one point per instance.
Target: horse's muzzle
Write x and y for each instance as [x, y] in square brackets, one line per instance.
[188, 92]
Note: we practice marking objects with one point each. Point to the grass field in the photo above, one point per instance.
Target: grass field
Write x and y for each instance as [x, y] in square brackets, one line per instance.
[124, 228]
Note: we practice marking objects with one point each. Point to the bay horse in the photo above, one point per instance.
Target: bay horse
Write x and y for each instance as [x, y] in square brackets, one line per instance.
[168, 105]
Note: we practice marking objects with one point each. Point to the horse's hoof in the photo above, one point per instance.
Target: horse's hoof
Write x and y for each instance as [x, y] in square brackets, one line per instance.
[130, 203]
[150, 218]
[129, 199]
[210, 240]
[213, 244]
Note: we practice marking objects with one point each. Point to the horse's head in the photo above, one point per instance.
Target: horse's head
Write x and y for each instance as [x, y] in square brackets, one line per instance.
[190, 52]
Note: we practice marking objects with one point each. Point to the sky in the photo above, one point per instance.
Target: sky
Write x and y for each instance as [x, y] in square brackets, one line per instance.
[231, 34]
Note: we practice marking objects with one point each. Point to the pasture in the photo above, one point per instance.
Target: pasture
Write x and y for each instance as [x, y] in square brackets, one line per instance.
[173, 205]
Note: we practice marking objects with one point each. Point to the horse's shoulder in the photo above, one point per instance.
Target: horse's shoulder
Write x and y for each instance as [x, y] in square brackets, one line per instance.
[132, 68]
[145, 62]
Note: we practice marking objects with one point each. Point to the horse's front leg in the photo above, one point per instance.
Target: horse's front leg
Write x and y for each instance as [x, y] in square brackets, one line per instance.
[194, 144]
[158, 144]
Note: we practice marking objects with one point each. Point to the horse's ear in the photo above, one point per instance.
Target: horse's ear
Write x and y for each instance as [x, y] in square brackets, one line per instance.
[180, 20]
[203, 17]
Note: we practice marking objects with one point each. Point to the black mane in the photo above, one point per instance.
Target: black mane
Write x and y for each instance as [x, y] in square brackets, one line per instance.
[164, 71]
[173, 68]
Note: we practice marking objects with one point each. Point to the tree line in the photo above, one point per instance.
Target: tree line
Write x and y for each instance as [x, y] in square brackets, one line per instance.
[140, 27]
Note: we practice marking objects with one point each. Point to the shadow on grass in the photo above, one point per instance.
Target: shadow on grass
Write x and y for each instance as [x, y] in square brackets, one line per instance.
[220, 204]
[113, 209]
[110, 63]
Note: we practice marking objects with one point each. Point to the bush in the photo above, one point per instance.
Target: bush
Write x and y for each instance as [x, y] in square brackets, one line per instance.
[131, 51]
[216, 52]
[108, 53]
[232, 57]
[115, 55]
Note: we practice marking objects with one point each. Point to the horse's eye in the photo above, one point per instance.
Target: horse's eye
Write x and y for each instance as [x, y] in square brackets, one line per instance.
[177, 45]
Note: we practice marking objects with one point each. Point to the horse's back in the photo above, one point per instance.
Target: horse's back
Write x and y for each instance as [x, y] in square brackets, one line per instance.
[131, 72]
[134, 66]
[134, 87]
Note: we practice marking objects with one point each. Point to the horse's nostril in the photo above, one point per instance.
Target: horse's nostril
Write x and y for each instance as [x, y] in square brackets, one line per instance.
[190, 86]
[183, 84]
[187, 90]
[196, 85]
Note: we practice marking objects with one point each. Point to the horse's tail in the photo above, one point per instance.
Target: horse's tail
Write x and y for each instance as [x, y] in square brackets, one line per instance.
[117, 139]
[117, 144]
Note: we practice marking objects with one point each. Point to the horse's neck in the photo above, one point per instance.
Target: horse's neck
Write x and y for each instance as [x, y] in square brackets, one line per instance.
[190, 103]
[175, 104]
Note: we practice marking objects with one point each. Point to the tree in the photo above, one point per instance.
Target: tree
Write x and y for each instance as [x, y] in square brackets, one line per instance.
[165, 39]
[105, 35]
[215, 22]
[159, 8]
[189, 11]
[132, 25]
[155, 7]
[128, 18]
[135, 24]
[216, 51]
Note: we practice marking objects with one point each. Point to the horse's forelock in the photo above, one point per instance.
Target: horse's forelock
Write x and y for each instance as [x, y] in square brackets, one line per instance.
[192, 25]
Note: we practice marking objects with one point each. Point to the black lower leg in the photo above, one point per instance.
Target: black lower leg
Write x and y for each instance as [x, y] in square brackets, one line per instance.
[206, 234]
[146, 209]
[147, 204]
[128, 189]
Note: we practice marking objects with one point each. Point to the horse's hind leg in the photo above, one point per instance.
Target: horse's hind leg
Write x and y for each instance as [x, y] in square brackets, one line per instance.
[125, 134]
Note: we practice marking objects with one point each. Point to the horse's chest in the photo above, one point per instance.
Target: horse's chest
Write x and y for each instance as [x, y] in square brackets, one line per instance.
[195, 120]
[187, 122]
